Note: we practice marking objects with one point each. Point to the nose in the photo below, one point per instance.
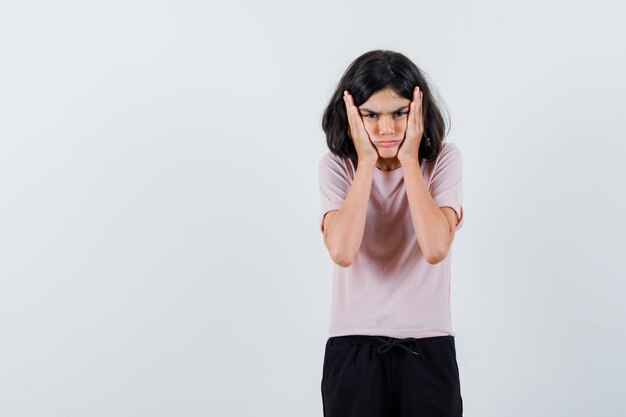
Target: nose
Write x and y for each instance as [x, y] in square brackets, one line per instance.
[385, 125]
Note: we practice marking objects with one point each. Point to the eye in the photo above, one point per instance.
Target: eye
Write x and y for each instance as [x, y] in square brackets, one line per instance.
[373, 115]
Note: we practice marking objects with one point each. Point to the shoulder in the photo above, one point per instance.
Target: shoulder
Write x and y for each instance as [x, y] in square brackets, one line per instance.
[450, 154]
[450, 150]
[337, 163]
[330, 158]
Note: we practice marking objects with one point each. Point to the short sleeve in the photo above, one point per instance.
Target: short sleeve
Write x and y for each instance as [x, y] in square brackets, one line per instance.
[334, 183]
[446, 183]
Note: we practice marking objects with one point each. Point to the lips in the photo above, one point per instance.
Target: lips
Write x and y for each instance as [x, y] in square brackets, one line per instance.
[387, 143]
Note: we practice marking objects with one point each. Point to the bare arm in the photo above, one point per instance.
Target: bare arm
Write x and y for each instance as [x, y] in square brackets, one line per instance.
[431, 223]
[344, 228]
[434, 226]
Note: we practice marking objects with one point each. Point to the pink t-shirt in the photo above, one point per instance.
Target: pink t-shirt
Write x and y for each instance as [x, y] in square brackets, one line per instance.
[390, 289]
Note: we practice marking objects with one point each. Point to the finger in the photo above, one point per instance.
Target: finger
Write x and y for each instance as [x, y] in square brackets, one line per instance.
[421, 119]
[348, 113]
[353, 108]
[413, 116]
[417, 109]
[409, 120]
[356, 117]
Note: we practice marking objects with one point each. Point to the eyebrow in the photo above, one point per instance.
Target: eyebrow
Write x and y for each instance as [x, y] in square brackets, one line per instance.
[396, 110]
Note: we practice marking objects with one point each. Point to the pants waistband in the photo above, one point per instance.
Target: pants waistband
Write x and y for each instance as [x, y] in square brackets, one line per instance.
[385, 343]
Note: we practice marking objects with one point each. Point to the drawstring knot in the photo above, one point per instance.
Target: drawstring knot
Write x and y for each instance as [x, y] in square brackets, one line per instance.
[387, 344]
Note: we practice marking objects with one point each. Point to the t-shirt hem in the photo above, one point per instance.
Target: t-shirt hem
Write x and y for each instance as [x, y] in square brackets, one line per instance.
[393, 333]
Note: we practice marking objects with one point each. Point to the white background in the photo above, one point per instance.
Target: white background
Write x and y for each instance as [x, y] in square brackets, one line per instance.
[159, 247]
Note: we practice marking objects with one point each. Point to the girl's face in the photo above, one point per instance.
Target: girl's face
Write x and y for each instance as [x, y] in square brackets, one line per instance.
[385, 118]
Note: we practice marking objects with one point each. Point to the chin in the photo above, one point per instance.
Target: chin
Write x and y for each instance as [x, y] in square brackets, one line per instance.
[388, 152]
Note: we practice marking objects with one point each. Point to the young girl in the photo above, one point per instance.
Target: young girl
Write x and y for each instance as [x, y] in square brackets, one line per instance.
[391, 202]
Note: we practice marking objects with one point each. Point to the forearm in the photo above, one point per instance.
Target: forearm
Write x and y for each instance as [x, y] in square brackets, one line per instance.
[430, 224]
[346, 229]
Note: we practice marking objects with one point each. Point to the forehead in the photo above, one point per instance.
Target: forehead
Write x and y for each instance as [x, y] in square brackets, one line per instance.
[385, 99]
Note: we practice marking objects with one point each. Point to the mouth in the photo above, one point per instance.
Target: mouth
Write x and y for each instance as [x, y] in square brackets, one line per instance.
[387, 144]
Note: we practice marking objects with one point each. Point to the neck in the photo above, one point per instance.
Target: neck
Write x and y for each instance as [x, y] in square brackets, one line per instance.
[388, 164]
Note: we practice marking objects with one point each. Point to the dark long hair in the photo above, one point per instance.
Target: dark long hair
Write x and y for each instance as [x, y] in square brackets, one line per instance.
[366, 75]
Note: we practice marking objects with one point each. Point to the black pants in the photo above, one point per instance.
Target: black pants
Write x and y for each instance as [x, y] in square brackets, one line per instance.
[380, 376]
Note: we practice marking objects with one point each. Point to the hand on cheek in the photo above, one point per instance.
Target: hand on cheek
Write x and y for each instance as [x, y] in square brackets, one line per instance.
[409, 148]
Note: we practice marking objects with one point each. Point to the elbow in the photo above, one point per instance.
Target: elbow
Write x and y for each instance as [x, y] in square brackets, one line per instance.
[437, 253]
[431, 260]
[342, 260]
[339, 256]
[435, 258]
[343, 264]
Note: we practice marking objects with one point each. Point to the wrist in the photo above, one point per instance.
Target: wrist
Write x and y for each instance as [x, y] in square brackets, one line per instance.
[408, 160]
[367, 161]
